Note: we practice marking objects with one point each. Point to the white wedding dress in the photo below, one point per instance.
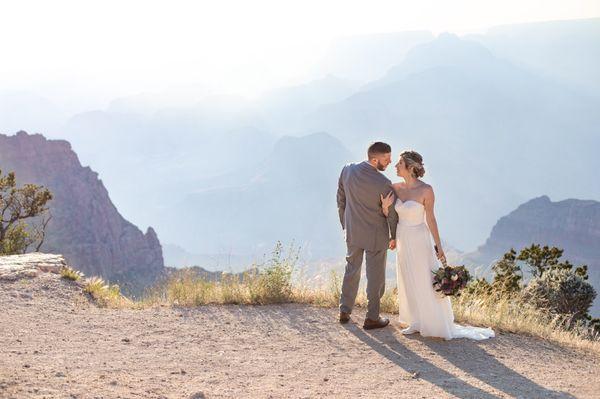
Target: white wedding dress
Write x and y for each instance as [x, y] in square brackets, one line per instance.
[420, 307]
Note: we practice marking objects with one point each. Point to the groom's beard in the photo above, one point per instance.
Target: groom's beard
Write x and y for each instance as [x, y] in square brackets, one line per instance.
[380, 166]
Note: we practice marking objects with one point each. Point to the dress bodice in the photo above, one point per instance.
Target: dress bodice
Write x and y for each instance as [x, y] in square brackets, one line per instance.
[410, 212]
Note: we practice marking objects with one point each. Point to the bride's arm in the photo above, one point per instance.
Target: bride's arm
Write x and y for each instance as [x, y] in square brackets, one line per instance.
[432, 222]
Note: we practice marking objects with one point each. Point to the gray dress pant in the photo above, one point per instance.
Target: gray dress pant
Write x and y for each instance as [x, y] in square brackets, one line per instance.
[375, 264]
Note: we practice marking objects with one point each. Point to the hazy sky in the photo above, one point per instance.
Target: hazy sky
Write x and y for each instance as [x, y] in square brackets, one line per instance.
[121, 47]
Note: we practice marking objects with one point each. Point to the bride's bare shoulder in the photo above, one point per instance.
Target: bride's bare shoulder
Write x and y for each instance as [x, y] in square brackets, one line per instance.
[427, 189]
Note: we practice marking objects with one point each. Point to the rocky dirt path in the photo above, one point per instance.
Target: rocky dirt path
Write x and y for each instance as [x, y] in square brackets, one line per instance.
[57, 344]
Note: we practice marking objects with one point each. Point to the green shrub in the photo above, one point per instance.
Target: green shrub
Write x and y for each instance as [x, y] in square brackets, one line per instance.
[560, 291]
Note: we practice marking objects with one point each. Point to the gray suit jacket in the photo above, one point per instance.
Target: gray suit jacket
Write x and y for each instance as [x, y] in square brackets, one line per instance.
[359, 205]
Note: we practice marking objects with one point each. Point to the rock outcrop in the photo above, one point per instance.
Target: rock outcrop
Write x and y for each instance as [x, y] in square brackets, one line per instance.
[573, 225]
[85, 226]
[14, 267]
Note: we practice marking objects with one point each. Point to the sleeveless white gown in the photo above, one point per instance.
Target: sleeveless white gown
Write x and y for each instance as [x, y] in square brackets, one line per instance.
[420, 307]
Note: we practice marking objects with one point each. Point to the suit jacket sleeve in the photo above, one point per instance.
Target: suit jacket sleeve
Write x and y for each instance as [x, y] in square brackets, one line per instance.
[341, 199]
[392, 218]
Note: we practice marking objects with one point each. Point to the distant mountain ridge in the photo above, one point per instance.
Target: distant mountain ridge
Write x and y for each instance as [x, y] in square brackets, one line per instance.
[363, 58]
[85, 226]
[445, 50]
[568, 50]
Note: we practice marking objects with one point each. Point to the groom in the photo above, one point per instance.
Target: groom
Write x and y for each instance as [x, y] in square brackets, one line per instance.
[367, 230]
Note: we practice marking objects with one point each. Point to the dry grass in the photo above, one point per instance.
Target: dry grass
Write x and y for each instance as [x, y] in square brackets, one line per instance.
[511, 315]
[273, 284]
[69, 273]
[106, 295]
[254, 288]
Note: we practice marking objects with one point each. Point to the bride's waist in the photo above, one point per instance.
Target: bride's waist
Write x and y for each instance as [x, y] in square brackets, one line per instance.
[411, 223]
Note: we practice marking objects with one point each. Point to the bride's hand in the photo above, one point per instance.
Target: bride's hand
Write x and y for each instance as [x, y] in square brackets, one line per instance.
[386, 201]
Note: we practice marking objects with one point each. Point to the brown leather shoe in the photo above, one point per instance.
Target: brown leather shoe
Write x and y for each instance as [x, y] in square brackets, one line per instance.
[344, 317]
[379, 323]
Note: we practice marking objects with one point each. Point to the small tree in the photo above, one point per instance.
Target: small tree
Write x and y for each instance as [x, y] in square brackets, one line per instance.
[18, 204]
[541, 259]
[508, 275]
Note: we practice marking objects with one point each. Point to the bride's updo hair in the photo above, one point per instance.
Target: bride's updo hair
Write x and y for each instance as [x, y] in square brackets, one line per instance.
[414, 162]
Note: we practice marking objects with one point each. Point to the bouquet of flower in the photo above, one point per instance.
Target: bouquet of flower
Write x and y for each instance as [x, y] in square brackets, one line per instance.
[449, 280]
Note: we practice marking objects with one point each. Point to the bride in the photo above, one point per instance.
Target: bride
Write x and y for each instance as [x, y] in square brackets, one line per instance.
[420, 307]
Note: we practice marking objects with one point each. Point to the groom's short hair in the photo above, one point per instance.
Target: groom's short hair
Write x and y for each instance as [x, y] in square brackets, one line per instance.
[378, 148]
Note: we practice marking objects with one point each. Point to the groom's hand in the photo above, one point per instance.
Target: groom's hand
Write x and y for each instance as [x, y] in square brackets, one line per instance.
[392, 244]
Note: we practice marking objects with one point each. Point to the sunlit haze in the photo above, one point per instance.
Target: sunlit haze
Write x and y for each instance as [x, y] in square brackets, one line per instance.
[101, 50]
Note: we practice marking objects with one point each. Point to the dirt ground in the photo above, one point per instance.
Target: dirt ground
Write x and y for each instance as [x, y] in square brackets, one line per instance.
[58, 344]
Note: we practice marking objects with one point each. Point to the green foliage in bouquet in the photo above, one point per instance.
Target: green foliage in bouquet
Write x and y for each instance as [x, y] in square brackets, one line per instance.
[449, 280]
